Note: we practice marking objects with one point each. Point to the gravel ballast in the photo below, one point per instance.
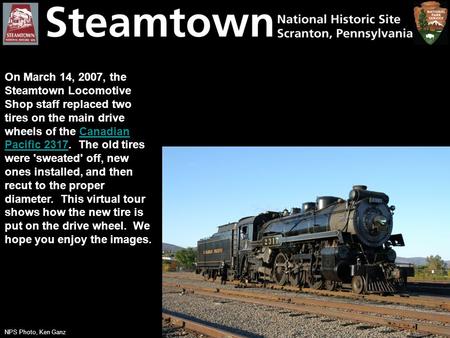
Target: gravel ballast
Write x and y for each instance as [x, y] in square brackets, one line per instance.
[264, 321]
[269, 291]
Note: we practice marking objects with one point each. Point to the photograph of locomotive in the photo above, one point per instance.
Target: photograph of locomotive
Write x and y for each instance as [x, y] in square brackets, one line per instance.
[322, 245]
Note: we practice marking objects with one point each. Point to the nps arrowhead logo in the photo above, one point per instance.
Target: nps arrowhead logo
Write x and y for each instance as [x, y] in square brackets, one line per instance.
[430, 20]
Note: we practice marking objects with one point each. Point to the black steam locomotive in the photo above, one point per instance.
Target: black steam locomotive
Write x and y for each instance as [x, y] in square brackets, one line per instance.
[323, 245]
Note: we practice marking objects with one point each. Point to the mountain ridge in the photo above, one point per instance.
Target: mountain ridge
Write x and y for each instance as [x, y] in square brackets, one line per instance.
[415, 260]
[167, 247]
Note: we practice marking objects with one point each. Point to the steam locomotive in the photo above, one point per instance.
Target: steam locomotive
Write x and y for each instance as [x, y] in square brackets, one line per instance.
[322, 245]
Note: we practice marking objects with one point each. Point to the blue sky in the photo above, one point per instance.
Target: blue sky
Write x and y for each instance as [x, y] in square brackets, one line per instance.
[204, 187]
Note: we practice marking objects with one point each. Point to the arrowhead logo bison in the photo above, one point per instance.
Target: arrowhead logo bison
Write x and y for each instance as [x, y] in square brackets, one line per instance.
[430, 20]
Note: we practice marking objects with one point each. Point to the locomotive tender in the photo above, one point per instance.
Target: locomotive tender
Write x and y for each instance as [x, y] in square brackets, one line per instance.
[323, 245]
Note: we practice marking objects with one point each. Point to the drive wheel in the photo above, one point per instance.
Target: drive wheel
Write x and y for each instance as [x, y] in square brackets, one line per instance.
[294, 279]
[358, 283]
[331, 285]
[316, 284]
[280, 269]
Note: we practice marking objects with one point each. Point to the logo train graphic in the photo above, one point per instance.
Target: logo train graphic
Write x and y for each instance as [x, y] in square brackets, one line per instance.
[20, 25]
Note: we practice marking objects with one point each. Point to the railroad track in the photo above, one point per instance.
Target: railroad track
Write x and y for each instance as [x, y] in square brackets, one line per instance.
[415, 321]
[422, 301]
[200, 328]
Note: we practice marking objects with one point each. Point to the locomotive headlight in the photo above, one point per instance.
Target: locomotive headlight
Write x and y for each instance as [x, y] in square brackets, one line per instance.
[391, 255]
[379, 223]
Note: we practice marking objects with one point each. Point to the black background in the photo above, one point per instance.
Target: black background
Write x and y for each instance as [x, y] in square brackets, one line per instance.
[215, 91]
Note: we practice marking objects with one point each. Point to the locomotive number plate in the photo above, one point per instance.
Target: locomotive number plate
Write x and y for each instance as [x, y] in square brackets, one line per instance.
[268, 241]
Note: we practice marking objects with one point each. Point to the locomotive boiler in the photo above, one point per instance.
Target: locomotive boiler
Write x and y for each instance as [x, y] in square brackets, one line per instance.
[322, 245]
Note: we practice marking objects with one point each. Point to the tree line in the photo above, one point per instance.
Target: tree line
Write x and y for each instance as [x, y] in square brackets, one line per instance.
[435, 267]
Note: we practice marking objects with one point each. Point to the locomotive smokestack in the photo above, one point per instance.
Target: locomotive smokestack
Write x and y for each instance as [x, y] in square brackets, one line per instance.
[360, 192]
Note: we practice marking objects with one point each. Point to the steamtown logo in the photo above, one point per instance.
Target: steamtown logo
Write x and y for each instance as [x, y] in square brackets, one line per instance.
[20, 24]
[430, 20]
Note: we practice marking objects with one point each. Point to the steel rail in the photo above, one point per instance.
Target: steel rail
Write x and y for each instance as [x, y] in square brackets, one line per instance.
[198, 327]
[332, 309]
[442, 317]
[427, 302]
